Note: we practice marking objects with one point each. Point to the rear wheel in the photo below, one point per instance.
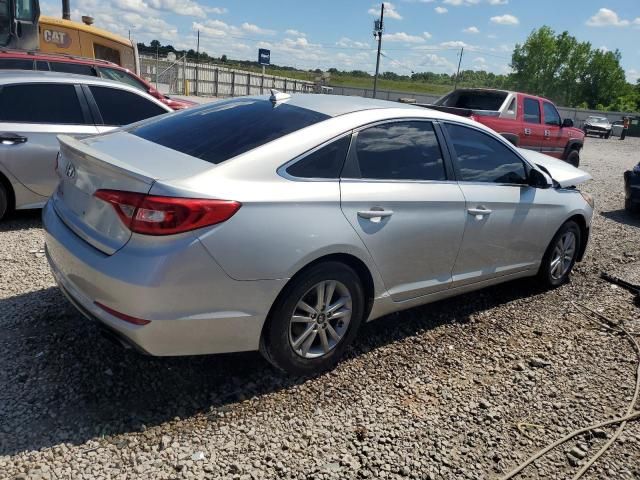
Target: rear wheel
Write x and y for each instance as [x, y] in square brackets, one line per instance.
[314, 320]
[4, 201]
[630, 206]
[574, 158]
[561, 255]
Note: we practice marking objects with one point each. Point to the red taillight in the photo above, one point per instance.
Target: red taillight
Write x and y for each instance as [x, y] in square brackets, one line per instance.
[155, 215]
[123, 316]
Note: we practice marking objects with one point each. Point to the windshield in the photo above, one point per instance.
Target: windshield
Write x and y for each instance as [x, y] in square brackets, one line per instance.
[218, 131]
[596, 119]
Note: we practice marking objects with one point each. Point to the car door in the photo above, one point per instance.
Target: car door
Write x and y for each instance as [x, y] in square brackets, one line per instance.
[554, 141]
[399, 195]
[506, 220]
[114, 107]
[532, 133]
[31, 117]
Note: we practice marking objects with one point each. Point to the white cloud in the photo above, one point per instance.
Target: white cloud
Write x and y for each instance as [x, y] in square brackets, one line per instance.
[402, 37]
[471, 30]
[457, 3]
[633, 75]
[441, 10]
[498, 2]
[216, 10]
[505, 19]
[427, 35]
[606, 18]
[188, 8]
[295, 33]
[604, 49]
[389, 11]
[455, 44]
[252, 28]
[348, 43]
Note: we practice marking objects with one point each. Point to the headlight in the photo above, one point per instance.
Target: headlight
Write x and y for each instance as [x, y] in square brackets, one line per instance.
[587, 198]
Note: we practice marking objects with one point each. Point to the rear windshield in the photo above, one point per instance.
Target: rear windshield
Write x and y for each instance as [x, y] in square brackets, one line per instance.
[221, 130]
[473, 100]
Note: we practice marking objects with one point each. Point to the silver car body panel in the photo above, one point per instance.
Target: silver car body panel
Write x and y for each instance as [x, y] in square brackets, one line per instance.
[32, 164]
[210, 290]
[565, 174]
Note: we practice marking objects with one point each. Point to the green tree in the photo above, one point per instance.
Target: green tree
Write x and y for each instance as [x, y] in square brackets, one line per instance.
[604, 80]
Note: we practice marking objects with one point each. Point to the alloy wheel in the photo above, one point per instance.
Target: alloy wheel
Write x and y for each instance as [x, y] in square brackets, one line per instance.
[563, 255]
[320, 319]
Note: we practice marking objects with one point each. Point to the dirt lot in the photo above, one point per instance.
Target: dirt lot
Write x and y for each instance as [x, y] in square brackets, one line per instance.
[465, 388]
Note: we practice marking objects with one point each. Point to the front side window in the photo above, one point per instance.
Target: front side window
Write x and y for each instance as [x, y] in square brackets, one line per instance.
[122, 76]
[40, 103]
[399, 151]
[77, 68]
[551, 115]
[531, 110]
[481, 158]
[120, 107]
[325, 162]
[25, 10]
[16, 64]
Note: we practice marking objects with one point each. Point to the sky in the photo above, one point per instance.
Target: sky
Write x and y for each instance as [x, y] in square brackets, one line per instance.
[420, 35]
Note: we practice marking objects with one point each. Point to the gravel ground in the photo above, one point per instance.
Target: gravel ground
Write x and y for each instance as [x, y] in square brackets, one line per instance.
[465, 388]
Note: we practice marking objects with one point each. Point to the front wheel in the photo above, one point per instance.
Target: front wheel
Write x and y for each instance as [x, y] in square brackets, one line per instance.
[4, 201]
[574, 158]
[314, 320]
[561, 255]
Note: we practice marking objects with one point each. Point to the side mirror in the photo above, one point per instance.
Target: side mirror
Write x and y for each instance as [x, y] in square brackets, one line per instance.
[537, 179]
[567, 122]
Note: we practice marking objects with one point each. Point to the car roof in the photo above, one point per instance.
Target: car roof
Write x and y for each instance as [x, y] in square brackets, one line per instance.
[56, 57]
[335, 105]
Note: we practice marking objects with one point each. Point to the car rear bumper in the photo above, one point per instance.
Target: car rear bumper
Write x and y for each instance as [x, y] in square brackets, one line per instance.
[192, 305]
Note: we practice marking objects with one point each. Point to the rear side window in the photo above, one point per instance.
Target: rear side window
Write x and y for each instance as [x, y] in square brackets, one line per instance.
[474, 99]
[481, 158]
[218, 131]
[16, 64]
[120, 107]
[40, 103]
[325, 162]
[400, 151]
[77, 68]
[531, 110]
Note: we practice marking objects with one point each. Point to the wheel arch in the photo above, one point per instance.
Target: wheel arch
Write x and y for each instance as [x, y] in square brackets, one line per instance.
[11, 194]
[573, 144]
[584, 234]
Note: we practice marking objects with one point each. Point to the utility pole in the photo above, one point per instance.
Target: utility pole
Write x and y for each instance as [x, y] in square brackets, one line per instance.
[157, 63]
[378, 26]
[197, 62]
[455, 86]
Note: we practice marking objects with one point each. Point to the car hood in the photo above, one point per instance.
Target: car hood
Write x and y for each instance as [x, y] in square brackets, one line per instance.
[598, 124]
[565, 174]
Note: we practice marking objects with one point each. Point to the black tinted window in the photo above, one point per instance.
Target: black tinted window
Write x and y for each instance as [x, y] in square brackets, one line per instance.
[481, 158]
[77, 68]
[120, 107]
[42, 65]
[531, 110]
[400, 151]
[16, 64]
[551, 115]
[40, 103]
[474, 99]
[222, 130]
[326, 162]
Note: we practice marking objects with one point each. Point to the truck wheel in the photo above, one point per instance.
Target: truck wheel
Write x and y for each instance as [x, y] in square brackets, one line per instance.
[574, 158]
[4, 201]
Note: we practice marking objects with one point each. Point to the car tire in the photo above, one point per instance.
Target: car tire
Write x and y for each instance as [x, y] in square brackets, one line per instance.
[317, 339]
[574, 158]
[630, 207]
[4, 201]
[561, 255]
[607, 135]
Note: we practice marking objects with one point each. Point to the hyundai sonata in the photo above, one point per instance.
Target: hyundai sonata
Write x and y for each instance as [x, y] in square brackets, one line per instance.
[282, 223]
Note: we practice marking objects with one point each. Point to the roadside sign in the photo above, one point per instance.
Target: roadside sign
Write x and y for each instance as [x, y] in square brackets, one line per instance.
[264, 56]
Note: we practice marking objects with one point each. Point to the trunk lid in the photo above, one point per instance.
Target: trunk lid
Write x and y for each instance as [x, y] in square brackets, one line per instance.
[565, 174]
[117, 161]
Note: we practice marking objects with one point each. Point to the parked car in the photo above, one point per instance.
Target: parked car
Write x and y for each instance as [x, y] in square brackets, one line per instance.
[632, 189]
[21, 60]
[283, 223]
[599, 126]
[35, 107]
[525, 120]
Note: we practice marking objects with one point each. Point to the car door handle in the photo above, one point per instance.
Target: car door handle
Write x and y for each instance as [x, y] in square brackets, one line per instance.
[373, 214]
[479, 211]
[12, 138]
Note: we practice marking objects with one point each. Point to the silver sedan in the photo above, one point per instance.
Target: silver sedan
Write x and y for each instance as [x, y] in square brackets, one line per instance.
[283, 223]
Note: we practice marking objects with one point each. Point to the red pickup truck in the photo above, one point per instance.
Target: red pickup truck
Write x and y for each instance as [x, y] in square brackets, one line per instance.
[525, 120]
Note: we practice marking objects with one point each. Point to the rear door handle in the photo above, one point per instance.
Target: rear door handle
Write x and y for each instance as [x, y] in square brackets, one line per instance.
[375, 215]
[479, 211]
[11, 138]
